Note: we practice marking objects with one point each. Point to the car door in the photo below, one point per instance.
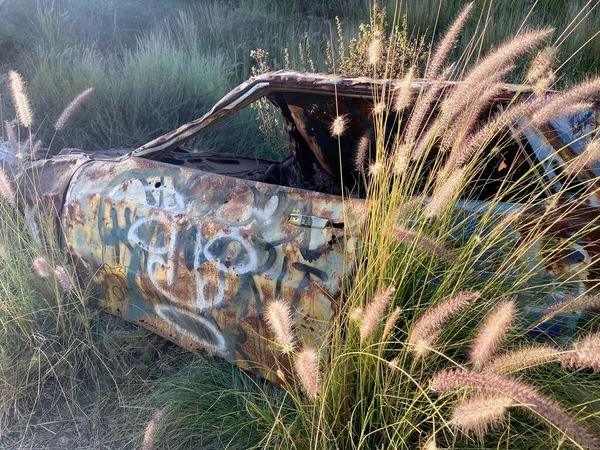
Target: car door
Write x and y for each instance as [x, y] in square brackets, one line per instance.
[196, 257]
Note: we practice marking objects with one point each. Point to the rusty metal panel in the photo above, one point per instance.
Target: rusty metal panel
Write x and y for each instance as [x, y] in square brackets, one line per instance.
[42, 185]
[196, 257]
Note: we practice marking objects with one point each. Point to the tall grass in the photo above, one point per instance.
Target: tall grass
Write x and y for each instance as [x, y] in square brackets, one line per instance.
[397, 391]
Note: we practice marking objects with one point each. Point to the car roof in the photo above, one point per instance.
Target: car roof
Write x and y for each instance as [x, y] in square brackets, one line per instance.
[288, 81]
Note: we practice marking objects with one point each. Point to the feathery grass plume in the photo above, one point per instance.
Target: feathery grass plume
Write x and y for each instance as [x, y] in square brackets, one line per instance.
[540, 73]
[394, 364]
[423, 107]
[585, 354]
[479, 414]
[374, 51]
[363, 153]
[426, 140]
[566, 110]
[41, 266]
[425, 332]
[491, 333]
[498, 124]
[517, 360]
[360, 213]
[556, 105]
[407, 236]
[444, 47]
[281, 375]
[356, 313]
[11, 137]
[378, 108]
[430, 444]
[376, 169]
[20, 99]
[445, 193]
[71, 108]
[6, 190]
[390, 323]
[338, 126]
[373, 312]
[503, 56]
[306, 364]
[573, 304]
[523, 395]
[151, 429]
[63, 278]
[408, 206]
[279, 320]
[404, 92]
[590, 156]
[401, 159]
[466, 120]
[541, 64]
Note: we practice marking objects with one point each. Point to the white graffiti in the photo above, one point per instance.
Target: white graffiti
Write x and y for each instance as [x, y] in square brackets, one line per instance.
[212, 262]
[216, 344]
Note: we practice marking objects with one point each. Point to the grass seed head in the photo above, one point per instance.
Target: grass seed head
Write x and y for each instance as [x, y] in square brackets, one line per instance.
[376, 169]
[356, 313]
[407, 236]
[338, 126]
[6, 190]
[426, 330]
[442, 50]
[20, 99]
[306, 364]
[71, 108]
[152, 429]
[11, 137]
[63, 278]
[373, 312]
[561, 104]
[540, 73]
[487, 69]
[521, 393]
[479, 414]
[279, 320]
[363, 153]
[390, 323]
[404, 93]
[374, 51]
[444, 195]
[590, 156]
[585, 354]
[491, 333]
[379, 108]
[401, 160]
[41, 266]
[430, 444]
[517, 360]
[281, 375]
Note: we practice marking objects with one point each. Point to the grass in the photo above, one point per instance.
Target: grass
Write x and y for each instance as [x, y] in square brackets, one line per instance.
[60, 359]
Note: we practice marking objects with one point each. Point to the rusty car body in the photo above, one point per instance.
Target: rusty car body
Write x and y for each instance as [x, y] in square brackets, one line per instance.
[193, 245]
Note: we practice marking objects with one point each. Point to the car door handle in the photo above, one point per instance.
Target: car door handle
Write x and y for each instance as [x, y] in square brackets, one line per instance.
[303, 220]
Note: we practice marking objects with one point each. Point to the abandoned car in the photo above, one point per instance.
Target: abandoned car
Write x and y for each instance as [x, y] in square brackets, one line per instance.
[194, 245]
